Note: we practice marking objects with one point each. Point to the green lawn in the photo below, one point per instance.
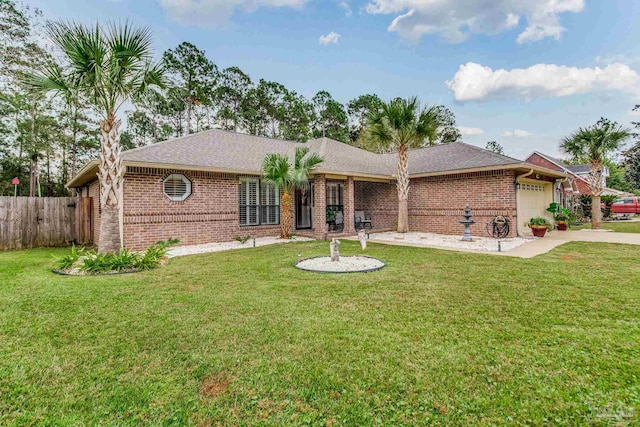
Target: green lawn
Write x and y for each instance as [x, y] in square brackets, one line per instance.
[243, 338]
[619, 226]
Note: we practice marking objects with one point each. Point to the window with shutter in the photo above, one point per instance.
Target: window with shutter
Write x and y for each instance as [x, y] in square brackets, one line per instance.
[259, 202]
[269, 203]
[177, 187]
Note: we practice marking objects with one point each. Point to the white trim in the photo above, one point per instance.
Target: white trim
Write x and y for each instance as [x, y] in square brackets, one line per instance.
[185, 180]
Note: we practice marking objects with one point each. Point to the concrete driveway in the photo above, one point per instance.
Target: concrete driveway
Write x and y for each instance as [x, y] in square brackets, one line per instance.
[557, 238]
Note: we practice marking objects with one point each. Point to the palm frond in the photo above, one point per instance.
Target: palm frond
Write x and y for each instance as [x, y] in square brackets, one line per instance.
[107, 64]
[278, 170]
[50, 79]
[299, 155]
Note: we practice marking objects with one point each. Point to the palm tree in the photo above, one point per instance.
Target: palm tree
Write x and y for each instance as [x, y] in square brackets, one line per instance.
[108, 66]
[594, 144]
[279, 171]
[402, 124]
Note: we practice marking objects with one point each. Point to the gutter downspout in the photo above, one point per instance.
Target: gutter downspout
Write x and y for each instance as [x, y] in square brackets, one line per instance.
[516, 184]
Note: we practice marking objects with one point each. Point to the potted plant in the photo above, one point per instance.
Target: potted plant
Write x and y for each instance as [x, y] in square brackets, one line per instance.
[562, 219]
[539, 226]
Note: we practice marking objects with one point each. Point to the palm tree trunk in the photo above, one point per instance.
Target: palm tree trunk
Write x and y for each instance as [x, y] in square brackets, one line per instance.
[110, 177]
[286, 217]
[403, 189]
[595, 182]
[33, 175]
[596, 213]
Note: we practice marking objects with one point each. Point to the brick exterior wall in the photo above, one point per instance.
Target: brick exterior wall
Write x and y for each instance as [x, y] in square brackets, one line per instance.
[319, 207]
[436, 204]
[210, 214]
[538, 160]
[379, 201]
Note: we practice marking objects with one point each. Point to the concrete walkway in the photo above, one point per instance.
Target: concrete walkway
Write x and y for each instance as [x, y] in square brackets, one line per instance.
[538, 246]
[557, 238]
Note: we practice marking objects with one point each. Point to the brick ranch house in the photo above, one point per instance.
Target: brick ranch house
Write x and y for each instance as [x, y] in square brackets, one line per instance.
[206, 187]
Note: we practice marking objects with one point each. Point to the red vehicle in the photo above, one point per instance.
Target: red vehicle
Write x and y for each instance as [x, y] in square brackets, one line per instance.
[627, 207]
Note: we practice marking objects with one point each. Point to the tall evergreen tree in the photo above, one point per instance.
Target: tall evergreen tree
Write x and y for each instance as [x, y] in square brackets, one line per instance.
[330, 118]
[192, 75]
[230, 95]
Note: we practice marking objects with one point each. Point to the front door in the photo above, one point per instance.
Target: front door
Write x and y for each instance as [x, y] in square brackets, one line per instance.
[304, 208]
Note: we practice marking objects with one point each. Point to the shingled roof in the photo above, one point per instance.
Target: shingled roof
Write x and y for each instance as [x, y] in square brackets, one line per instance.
[232, 152]
[454, 156]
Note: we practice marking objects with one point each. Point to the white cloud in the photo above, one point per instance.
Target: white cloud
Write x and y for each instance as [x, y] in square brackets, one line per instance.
[456, 20]
[612, 59]
[516, 133]
[347, 9]
[465, 131]
[209, 13]
[331, 38]
[474, 82]
[635, 113]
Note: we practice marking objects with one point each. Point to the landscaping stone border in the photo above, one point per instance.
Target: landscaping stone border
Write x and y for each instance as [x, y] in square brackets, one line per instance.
[367, 270]
[64, 273]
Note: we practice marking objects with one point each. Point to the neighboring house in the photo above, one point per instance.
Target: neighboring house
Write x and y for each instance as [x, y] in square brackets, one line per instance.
[206, 187]
[576, 183]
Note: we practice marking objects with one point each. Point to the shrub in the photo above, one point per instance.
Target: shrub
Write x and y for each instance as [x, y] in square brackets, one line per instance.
[554, 208]
[125, 260]
[608, 200]
[562, 216]
[97, 263]
[242, 239]
[155, 253]
[539, 222]
[68, 261]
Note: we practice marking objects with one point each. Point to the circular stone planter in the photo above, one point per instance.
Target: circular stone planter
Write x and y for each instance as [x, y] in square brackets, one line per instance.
[347, 264]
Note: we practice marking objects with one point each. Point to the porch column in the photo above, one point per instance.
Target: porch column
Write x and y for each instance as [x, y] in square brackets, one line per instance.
[320, 207]
[349, 206]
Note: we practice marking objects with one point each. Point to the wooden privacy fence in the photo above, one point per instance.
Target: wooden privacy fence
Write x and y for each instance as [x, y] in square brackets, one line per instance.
[36, 222]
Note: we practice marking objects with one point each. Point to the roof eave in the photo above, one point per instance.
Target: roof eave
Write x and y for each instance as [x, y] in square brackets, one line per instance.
[513, 166]
[84, 175]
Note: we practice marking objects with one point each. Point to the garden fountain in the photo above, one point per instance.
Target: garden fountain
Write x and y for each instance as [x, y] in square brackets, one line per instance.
[467, 221]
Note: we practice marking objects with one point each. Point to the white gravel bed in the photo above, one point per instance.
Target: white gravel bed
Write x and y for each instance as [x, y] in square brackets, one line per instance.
[227, 246]
[347, 264]
[485, 244]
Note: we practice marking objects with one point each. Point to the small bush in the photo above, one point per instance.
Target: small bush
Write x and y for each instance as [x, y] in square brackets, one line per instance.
[539, 222]
[242, 239]
[126, 260]
[97, 263]
[68, 261]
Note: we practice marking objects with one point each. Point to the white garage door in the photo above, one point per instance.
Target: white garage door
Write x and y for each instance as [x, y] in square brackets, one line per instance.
[534, 198]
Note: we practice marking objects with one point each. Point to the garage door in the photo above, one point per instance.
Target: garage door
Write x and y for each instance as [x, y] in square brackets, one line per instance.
[534, 198]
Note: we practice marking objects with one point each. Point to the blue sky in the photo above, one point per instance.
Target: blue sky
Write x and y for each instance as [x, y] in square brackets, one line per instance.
[536, 69]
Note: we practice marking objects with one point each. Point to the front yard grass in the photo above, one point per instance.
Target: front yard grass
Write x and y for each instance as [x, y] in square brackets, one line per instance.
[243, 338]
[621, 226]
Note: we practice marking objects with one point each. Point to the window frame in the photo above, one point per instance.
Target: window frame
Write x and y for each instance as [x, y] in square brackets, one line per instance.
[185, 179]
[262, 210]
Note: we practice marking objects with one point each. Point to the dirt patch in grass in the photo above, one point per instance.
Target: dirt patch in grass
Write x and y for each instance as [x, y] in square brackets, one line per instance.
[571, 257]
[214, 385]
